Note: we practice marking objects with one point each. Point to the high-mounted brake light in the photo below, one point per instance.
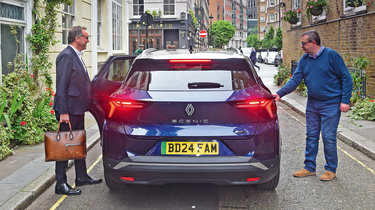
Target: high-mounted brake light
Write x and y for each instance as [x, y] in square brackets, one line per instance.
[258, 103]
[190, 61]
[116, 103]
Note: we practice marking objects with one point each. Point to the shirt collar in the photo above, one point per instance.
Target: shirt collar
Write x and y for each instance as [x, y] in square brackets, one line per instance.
[79, 53]
[318, 53]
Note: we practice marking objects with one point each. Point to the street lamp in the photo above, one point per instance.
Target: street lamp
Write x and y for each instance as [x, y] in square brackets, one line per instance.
[146, 20]
[281, 4]
[210, 30]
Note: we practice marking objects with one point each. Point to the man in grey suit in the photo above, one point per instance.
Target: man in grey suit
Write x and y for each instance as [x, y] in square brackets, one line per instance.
[72, 100]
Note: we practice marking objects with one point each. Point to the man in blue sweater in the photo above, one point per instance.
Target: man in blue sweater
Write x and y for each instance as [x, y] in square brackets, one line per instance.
[329, 86]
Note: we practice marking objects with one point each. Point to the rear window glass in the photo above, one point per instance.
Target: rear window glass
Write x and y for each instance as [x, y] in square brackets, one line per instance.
[182, 80]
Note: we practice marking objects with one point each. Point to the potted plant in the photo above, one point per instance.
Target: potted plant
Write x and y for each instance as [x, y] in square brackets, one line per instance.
[315, 7]
[354, 3]
[291, 16]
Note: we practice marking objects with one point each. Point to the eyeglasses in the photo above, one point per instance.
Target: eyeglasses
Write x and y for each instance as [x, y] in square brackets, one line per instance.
[305, 43]
[86, 37]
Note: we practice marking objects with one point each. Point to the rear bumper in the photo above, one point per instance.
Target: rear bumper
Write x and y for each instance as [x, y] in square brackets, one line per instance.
[157, 173]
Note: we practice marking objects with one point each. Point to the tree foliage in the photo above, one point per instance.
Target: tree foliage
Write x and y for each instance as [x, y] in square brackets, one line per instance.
[268, 41]
[278, 40]
[253, 41]
[222, 32]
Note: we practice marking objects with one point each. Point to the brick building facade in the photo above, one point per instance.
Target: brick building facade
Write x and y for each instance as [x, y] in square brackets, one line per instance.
[348, 30]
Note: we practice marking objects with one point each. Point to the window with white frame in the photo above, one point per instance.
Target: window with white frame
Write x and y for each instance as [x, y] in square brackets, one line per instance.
[169, 6]
[138, 7]
[271, 3]
[295, 6]
[271, 18]
[117, 24]
[99, 21]
[262, 19]
[67, 21]
[262, 9]
[12, 16]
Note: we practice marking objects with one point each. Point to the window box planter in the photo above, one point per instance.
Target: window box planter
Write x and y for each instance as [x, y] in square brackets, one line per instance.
[293, 20]
[316, 11]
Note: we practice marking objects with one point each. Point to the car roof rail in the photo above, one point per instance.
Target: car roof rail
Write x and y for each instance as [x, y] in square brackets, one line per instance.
[149, 50]
[234, 50]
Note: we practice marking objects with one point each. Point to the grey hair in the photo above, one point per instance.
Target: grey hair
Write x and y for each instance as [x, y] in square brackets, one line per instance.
[313, 36]
[76, 31]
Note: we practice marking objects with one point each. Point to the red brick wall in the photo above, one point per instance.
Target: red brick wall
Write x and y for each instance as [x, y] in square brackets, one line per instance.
[351, 36]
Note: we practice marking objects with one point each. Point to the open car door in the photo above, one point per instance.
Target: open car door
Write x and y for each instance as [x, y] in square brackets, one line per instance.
[107, 81]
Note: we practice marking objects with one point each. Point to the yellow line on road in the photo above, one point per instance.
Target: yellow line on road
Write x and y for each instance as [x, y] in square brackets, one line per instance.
[356, 160]
[57, 204]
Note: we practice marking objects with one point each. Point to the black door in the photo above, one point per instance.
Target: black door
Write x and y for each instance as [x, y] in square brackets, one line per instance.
[107, 81]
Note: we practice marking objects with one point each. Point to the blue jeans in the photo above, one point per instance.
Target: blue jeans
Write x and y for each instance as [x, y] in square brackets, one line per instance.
[321, 116]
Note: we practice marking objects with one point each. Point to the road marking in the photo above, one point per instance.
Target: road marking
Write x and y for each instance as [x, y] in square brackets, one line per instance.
[58, 202]
[342, 150]
[358, 161]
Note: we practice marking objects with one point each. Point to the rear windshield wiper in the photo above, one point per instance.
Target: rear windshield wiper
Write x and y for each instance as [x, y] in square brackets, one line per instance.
[201, 85]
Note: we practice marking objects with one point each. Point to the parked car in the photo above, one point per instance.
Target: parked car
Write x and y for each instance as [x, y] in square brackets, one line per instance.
[259, 58]
[246, 51]
[278, 59]
[270, 57]
[176, 117]
[263, 54]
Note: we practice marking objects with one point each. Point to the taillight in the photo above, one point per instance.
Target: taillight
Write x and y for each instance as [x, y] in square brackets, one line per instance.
[120, 104]
[266, 104]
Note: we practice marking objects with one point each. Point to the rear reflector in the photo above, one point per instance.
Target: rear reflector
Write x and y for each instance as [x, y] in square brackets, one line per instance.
[254, 179]
[129, 179]
[116, 103]
[258, 103]
[190, 61]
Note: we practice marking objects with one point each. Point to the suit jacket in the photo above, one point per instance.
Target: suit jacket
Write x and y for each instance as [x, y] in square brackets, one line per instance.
[72, 84]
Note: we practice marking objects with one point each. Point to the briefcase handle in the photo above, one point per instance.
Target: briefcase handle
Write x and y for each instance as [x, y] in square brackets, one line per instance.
[70, 131]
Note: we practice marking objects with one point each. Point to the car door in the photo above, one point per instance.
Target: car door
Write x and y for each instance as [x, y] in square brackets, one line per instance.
[108, 80]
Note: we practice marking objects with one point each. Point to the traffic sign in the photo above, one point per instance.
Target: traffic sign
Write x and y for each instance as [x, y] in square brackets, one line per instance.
[203, 33]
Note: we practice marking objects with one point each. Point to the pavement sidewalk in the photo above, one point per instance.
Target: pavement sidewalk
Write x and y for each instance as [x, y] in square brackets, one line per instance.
[25, 175]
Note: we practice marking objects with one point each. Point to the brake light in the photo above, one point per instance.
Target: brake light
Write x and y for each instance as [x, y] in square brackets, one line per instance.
[116, 103]
[126, 178]
[253, 179]
[205, 61]
[266, 104]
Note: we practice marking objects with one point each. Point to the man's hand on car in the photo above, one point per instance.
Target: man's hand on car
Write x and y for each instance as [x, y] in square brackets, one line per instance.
[277, 97]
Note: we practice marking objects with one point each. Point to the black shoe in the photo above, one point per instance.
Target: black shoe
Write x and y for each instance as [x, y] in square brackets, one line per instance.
[86, 181]
[66, 189]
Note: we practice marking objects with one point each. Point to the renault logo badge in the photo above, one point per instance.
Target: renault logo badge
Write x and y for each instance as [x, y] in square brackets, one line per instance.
[189, 110]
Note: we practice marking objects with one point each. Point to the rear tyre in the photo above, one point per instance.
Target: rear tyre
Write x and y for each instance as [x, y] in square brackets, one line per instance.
[270, 185]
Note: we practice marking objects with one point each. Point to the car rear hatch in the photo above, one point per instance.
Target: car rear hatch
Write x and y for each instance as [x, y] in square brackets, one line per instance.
[202, 102]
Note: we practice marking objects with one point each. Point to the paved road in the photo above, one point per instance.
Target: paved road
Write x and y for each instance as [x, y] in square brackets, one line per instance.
[353, 189]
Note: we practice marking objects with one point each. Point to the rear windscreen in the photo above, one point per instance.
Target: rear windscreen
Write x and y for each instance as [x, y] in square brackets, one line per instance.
[189, 80]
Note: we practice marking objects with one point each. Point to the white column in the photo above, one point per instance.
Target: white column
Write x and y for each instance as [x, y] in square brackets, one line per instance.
[94, 37]
[109, 29]
[125, 25]
[29, 23]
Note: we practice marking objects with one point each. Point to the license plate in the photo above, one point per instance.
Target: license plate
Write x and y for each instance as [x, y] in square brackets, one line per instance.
[190, 148]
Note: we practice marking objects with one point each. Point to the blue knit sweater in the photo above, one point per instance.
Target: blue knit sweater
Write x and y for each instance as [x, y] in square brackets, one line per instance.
[326, 77]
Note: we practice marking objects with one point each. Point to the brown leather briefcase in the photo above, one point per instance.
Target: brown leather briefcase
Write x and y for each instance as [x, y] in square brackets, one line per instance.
[65, 145]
